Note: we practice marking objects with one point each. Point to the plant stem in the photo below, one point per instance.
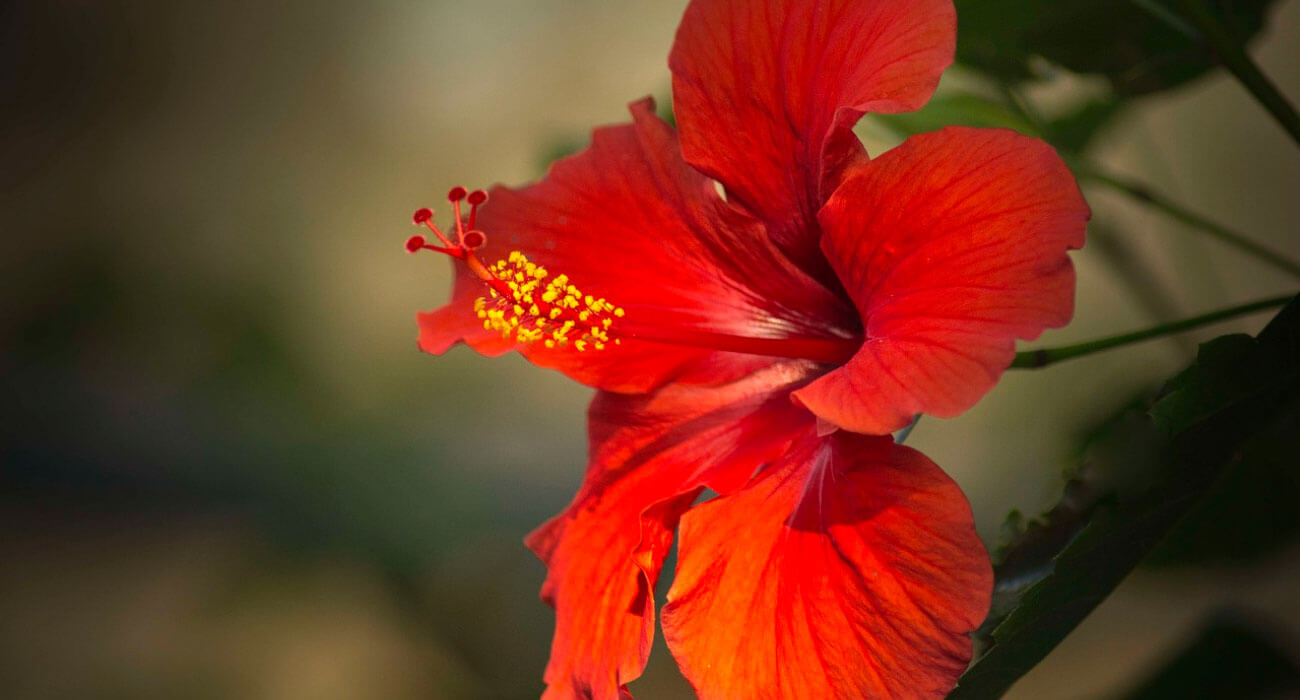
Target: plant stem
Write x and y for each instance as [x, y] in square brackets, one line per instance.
[1233, 57]
[1144, 194]
[1035, 359]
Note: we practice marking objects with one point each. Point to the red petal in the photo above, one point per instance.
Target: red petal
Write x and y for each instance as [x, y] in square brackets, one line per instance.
[851, 570]
[443, 327]
[952, 246]
[604, 608]
[651, 454]
[765, 93]
[627, 220]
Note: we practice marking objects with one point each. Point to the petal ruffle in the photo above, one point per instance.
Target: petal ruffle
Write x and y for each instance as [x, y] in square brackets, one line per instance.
[850, 570]
[650, 456]
[952, 246]
[629, 221]
[765, 94]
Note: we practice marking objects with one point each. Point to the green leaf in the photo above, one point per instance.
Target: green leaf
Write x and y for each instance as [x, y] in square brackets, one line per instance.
[1071, 132]
[1115, 459]
[1228, 369]
[1123, 530]
[1074, 132]
[958, 109]
[1233, 657]
[1250, 513]
[1130, 42]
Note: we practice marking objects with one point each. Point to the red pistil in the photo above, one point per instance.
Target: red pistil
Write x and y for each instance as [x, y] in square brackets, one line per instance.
[476, 198]
[828, 350]
[468, 238]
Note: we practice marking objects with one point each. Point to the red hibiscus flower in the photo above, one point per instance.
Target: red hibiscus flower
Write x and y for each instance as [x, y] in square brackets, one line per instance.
[763, 344]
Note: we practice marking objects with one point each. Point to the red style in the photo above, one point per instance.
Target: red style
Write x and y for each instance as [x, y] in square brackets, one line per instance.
[765, 345]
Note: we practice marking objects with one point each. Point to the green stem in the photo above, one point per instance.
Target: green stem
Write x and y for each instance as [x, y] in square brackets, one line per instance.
[1035, 359]
[1145, 194]
[1234, 57]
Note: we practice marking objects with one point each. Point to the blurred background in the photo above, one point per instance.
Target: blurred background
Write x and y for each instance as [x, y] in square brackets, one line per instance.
[225, 469]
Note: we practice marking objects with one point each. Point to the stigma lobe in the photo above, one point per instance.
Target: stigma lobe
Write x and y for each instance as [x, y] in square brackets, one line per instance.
[468, 238]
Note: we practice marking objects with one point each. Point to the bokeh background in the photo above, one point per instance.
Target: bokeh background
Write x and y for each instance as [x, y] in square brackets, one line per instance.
[225, 469]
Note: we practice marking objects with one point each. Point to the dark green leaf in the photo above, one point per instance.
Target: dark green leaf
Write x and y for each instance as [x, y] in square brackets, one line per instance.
[1116, 458]
[1133, 47]
[1250, 513]
[1227, 370]
[1121, 533]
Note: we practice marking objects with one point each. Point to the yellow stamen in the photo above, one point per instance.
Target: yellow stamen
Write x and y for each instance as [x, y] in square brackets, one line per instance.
[544, 308]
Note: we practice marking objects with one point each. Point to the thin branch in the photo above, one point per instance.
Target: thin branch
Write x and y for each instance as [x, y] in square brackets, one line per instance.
[1035, 359]
[1233, 56]
[1145, 194]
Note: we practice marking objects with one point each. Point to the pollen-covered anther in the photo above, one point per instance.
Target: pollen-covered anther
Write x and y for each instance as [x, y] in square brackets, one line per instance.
[548, 309]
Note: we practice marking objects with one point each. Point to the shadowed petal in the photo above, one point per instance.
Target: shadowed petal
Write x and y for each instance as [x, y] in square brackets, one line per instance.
[952, 246]
[651, 454]
[849, 570]
[765, 94]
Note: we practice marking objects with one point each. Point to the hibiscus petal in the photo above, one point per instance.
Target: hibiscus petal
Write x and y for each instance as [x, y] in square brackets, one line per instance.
[765, 93]
[602, 596]
[952, 246]
[650, 456]
[850, 570]
[629, 221]
[448, 325]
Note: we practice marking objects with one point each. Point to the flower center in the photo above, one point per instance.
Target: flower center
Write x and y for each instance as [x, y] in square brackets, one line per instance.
[523, 301]
[544, 308]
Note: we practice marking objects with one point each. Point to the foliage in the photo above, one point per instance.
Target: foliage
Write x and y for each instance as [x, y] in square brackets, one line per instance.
[1139, 46]
[1199, 428]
